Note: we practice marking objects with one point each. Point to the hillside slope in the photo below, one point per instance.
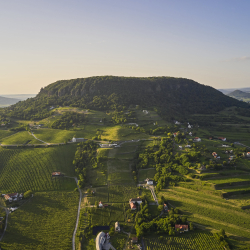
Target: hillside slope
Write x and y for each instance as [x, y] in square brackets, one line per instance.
[171, 97]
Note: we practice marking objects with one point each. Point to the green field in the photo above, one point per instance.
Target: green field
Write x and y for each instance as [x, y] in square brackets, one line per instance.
[229, 179]
[46, 221]
[191, 240]
[22, 137]
[31, 168]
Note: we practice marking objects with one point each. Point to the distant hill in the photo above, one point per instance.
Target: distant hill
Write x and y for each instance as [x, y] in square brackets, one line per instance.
[4, 101]
[240, 95]
[20, 96]
[228, 91]
[170, 97]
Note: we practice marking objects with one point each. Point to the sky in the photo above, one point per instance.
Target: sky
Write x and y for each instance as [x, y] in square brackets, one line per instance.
[43, 41]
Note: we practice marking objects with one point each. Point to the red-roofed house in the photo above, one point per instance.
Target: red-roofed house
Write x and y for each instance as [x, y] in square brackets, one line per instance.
[183, 228]
[132, 206]
[10, 197]
[55, 174]
[222, 138]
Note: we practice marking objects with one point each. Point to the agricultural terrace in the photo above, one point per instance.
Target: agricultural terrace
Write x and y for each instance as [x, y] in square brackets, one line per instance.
[31, 168]
[46, 221]
[195, 240]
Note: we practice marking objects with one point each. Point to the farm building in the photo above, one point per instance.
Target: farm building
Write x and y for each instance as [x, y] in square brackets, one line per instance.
[222, 138]
[57, 174]
[188, 146]
[134, 200]
[190, 133]
[134, 240]
[100, 204]
[183, 228]
[77, 139]
[149, 181]
[117, 227]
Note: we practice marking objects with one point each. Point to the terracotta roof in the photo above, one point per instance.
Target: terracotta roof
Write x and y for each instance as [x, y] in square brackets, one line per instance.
[132, 205]
[182, 227]
[56, 173]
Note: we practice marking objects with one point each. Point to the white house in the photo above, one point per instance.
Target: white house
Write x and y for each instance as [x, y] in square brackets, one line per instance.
[145, 111]
[100, 240]
[180, 147]
[177, 123]
[77, 139]
[190, 126]
[197, 139]
[134, 200]
[248, 154]
[188, 146]
[149, 181]
[190, 133]
[100, 204]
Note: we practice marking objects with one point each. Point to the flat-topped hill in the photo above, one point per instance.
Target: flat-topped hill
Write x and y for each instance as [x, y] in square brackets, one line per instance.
[171, 97]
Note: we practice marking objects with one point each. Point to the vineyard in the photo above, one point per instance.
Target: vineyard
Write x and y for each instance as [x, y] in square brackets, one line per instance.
[194, 240]
[211, 211]
[31, 168]
[46, 221]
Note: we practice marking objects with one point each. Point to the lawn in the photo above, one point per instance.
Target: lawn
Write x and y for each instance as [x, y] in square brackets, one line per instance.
[229, 180]
[31, 168]
[46, 221]
[101, 194]
[22, 137]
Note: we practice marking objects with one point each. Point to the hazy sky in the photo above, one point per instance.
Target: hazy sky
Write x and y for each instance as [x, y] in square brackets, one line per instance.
[42, 41]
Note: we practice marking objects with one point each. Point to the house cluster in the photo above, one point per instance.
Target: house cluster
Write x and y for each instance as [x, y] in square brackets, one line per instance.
[13, 197]
[197, 139]
[182, 228]
[214, 154]
[230, 151]
[132, 202]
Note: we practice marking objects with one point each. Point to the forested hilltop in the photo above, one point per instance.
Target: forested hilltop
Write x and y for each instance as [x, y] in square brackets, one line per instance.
[171, 97]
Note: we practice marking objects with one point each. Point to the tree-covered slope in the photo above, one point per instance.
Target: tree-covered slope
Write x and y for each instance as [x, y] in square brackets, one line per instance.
[172, 97]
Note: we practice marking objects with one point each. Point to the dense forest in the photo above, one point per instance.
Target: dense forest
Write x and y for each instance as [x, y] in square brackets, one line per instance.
[170, 97]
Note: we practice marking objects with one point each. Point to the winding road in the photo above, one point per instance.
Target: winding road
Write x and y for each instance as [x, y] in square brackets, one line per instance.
[6, 221]
[78, 214]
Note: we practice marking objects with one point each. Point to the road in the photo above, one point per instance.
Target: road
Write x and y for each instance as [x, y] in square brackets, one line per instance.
[37, 138]
[78, 214]
[6, 222]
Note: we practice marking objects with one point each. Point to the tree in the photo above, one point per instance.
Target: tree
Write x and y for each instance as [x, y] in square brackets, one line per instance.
[96, 204]
[27, 194]
[191, 226]
[160, 208]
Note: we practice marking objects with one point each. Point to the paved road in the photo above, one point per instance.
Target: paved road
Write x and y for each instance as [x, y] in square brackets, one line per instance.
[78, 214]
